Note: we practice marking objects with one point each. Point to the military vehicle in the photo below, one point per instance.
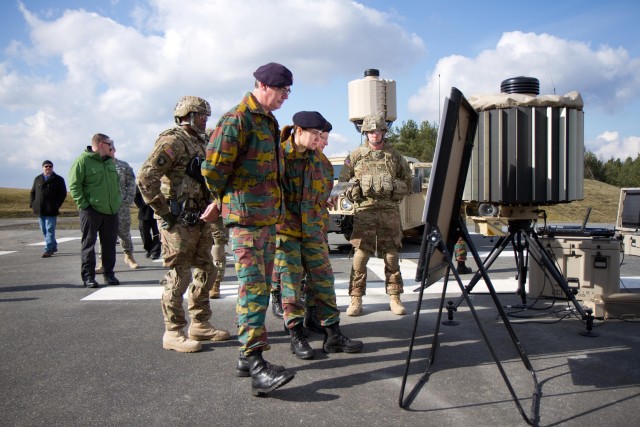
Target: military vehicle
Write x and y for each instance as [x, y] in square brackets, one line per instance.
[411, 207]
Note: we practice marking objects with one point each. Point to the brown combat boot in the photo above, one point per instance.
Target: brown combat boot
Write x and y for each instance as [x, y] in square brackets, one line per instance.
[205, 331]
[130, 260]
[396, 305]
[355, 308]
[176, 340]
[99, 269]
[214, 293]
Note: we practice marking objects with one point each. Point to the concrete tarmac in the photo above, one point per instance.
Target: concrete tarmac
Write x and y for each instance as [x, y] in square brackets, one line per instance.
[77, 356]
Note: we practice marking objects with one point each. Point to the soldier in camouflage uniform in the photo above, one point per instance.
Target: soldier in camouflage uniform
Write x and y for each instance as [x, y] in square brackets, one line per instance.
[220, 240]
[171, 182]
[301, 243]
[311, 319]
[460, 250]
[381, 178]
[242, 169]
[128, 192]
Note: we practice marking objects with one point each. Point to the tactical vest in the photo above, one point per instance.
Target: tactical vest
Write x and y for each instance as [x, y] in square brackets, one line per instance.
[185, 185]
[375, 170]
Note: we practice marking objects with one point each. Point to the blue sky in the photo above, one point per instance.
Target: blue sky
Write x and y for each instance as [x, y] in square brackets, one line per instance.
[71, 68]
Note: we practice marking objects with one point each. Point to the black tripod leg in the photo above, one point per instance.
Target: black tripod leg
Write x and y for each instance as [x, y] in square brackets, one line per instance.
[435, 243]
[491, 258]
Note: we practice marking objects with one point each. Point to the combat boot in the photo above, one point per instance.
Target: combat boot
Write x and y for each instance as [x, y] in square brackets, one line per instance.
[463, 269]
[99, 268]
[396, 305]
[214, 293]
[276, 304]
[205, 331]
[130, 260]
[299, 344]
[311, 320]
[264, 378]
[335, 342]
[355, 308]
[242, 366]
[176, 340]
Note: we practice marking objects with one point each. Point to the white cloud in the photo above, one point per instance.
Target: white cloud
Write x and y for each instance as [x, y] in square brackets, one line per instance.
[606, 77]
[609, 145]
[82, 73]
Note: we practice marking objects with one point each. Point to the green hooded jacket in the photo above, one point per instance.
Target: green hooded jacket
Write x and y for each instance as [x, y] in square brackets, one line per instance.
[94, 182]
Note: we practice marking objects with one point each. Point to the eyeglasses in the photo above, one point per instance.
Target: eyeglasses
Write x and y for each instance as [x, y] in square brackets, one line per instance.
[282, 90]
[47, 166]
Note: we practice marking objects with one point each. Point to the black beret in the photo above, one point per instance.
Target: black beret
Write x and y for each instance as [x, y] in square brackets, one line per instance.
[309, 120]
[273, 74]
[47, 162]
[327, 127]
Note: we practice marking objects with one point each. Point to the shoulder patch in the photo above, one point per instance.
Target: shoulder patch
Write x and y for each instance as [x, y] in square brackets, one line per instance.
[160, 160]
[169, 151]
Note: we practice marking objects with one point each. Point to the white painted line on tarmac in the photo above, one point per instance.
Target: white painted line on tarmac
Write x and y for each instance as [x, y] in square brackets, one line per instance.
[124, 292]
[59, 240]
[7, 252]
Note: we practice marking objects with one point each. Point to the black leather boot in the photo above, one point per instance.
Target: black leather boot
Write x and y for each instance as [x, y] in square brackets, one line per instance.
[463, 269]
[242, 366]
[311, 320]
[276, 304]
[264, 378]
[335, 342]
[299, 344]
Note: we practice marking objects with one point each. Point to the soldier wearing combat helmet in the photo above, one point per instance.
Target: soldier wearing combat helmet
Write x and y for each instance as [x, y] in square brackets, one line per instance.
[381, 177]
[171, 183]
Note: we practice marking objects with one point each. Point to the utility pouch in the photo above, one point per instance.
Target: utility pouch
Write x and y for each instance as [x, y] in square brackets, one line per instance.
[400, 190]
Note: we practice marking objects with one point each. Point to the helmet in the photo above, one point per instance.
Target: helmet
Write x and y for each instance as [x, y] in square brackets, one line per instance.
[191, 104]
[374, 123]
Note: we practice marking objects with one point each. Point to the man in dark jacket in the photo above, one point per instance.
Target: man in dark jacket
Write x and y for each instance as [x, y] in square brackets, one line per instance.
[148, 226]
[47, 195]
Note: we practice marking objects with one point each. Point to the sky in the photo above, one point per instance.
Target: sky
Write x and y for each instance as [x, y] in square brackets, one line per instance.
[72, 68]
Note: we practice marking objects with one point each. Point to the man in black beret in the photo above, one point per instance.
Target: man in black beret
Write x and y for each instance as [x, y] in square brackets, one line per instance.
[243, 169]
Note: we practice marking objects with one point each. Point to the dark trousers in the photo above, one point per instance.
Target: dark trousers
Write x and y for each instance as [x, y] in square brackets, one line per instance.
[150, 236]
[92, 225]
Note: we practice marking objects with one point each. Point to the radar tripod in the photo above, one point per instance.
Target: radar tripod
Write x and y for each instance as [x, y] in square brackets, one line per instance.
[436, 243]
[524, 238]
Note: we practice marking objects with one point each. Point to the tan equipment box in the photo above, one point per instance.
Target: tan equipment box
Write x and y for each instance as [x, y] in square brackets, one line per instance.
[591, 267]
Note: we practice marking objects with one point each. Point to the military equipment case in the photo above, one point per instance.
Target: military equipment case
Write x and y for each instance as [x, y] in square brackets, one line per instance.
[590, 265]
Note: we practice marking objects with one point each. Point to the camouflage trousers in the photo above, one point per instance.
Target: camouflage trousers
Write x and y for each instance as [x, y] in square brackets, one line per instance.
[460, 250]
[376, 230]
[253, 252]
[220, 240]
[184, 248]
[295, 257]
[124, 228]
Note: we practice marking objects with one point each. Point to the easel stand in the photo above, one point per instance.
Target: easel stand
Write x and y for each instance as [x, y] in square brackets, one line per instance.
[524, 239]
[435, 242]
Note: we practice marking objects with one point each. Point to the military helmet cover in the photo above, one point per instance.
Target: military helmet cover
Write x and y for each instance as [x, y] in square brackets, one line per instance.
[371, 123]
[191, 104]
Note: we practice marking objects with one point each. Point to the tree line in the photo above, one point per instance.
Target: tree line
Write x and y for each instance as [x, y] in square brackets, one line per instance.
[419, 141]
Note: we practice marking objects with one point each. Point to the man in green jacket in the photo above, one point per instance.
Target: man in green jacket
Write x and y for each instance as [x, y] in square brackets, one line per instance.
[95, 187]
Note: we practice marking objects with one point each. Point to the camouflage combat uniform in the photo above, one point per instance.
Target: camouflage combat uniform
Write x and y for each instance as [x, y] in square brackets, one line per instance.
[167, 187]
[128, 192]
[301, 243]
[242, 169]
[377, 174]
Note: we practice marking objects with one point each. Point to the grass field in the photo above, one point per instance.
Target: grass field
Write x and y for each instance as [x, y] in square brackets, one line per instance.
[603, 199]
